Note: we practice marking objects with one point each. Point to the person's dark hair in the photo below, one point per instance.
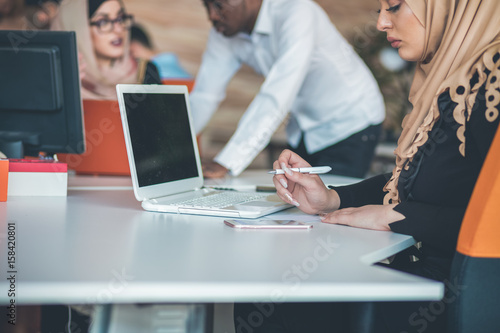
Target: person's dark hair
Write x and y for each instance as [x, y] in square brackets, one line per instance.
[138, 34]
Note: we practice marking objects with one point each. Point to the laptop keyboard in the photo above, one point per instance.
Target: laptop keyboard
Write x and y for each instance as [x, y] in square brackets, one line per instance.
[221, 199]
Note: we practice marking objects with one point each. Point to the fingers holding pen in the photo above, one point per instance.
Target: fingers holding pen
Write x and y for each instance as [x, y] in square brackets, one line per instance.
[286, 161]
[287, 197]
[282, 190]
[300, 188]
[280, 178]
[282, 185]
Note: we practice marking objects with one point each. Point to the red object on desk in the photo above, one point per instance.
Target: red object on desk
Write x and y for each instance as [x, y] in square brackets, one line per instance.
[33, 165]
[35, 177]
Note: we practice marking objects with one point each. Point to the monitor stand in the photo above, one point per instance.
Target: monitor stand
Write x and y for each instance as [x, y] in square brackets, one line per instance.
[12, 144]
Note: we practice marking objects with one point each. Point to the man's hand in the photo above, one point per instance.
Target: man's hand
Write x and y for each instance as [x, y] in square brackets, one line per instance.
[212, 169]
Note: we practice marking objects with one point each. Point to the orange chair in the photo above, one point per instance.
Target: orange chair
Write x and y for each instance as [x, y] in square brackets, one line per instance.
[105, 144]
[475, 305]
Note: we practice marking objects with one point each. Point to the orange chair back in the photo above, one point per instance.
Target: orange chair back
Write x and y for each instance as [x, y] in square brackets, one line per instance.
[480, 231]
[106, 153]
[105, 144]
[180, 82]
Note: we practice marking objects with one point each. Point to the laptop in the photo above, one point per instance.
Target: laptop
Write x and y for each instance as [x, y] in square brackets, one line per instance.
[164, 159]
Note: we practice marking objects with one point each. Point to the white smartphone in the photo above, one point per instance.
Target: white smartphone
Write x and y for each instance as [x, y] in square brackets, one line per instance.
[267, 224]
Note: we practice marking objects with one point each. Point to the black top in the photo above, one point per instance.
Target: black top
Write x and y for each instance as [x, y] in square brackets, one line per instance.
[436, 188]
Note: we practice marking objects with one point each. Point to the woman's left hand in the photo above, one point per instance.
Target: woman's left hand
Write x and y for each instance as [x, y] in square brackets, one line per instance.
[375, 217]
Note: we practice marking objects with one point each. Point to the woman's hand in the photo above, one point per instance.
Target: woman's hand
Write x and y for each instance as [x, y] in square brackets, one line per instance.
[376, 217]
[308, 192]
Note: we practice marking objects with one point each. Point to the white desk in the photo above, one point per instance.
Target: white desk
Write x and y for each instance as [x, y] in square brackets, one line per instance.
[99, 246]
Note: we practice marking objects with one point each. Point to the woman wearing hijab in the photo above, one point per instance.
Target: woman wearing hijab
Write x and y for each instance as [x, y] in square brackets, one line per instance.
[445, 139]
[103, 37]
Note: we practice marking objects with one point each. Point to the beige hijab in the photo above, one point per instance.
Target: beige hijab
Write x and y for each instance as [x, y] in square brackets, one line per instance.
[462, 37]
[98, 83]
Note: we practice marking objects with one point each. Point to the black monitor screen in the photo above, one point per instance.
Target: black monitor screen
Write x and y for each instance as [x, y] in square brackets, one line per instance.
[161, 137]
[40, 104]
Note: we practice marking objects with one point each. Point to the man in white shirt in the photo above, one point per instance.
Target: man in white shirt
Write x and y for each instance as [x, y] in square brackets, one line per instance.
[311, 73]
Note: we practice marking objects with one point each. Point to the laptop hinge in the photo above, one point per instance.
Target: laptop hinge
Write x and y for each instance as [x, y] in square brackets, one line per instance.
[175, 194]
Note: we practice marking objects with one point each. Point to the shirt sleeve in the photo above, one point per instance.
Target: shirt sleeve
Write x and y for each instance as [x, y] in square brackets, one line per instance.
[367, 192]
[218, 66]
[294, 39]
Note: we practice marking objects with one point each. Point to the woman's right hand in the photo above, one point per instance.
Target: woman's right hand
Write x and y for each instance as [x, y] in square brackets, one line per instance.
[306, 191]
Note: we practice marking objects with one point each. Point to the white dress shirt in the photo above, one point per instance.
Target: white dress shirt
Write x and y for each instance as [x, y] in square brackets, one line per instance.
[310, 71]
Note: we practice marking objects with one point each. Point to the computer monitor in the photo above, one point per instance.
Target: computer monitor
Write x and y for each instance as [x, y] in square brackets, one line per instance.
[40, 103]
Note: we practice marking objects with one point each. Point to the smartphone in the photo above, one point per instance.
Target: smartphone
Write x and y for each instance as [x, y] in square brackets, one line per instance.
[267, 224]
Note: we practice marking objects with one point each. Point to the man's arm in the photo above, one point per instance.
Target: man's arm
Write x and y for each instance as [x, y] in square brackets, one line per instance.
[218, 66]
[295, 42]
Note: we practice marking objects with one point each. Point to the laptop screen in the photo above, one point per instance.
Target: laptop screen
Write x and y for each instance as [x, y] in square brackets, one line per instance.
[161, 137]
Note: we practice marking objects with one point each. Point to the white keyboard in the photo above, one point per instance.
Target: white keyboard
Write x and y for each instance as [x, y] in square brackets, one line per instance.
[221, 199]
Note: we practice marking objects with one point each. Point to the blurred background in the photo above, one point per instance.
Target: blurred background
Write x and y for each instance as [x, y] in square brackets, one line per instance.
[181, 27]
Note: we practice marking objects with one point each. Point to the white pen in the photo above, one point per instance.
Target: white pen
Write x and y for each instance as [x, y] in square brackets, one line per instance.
[310, 170]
